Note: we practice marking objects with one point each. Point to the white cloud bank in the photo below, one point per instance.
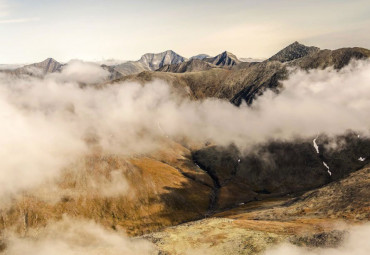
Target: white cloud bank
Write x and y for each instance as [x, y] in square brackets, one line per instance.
[75, 237]
[49, 123]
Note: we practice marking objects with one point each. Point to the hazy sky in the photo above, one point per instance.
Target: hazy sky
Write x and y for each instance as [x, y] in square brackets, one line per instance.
[32, 30]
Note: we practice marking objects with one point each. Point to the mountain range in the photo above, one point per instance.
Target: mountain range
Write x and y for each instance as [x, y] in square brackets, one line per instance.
[205, 197]
[168, 61]
[225, 77]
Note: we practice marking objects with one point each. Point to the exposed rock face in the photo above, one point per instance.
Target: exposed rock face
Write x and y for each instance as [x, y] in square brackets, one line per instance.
[225, 59]
[150, 61]
[203, 62]
[155, 61]
[294, 51]
[193, 65]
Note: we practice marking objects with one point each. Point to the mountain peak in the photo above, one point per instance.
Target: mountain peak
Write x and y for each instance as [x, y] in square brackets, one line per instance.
[49, 65]
[225, 59]
[170, 52]
[153, 61]
[150, 62]
[49, 61]
[164, 53]
[294, 51]
[228, 54]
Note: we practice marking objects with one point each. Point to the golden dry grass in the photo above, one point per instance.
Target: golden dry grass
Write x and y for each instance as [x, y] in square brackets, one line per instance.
[154, 194]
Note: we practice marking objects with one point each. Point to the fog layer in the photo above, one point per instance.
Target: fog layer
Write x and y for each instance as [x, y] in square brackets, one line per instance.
[49, 123]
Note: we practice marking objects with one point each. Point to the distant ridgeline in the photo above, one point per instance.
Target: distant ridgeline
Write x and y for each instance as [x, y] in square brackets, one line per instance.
[223, 76]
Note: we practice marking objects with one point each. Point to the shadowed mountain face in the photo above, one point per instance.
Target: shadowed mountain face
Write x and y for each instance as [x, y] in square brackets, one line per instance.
[279, 168]
[294, 51]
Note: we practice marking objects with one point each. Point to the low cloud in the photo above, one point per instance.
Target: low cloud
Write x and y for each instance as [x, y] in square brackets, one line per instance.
[49, 123]
[72, 237]
[81, 72]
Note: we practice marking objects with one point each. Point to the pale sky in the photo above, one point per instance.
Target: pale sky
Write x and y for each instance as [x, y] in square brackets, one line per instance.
[32, 30]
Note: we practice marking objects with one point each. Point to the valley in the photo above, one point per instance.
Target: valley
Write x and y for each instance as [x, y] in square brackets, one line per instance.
[207, 181]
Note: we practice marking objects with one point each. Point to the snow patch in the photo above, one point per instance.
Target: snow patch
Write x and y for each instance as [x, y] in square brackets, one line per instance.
[361, 159]
[315, 145]
[326, 165]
